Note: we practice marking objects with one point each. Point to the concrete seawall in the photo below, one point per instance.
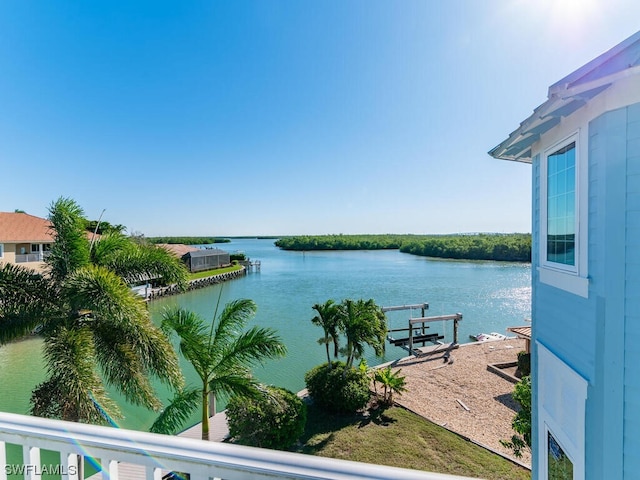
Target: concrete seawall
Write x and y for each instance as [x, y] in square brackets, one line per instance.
[194, 284]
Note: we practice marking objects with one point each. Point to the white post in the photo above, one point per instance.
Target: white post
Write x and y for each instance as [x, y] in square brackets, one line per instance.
[69, 462]
[31, 461]
[3, 461]
[154, 473]
[112, 466]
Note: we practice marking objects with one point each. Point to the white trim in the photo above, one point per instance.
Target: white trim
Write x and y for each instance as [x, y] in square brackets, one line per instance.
[564, 281]
[562, 396]
[571, 278]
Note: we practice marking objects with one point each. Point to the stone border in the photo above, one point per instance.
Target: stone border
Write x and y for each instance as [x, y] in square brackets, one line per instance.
[497, 369]
[195, 284]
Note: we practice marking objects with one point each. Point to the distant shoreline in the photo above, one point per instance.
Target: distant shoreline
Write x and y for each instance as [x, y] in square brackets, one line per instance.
[511, 247]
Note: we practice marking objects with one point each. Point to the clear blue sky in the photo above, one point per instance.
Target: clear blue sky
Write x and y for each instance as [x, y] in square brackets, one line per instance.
[284, 117]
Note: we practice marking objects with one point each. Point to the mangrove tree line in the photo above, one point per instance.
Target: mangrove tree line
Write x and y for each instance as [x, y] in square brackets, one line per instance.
[514, 247]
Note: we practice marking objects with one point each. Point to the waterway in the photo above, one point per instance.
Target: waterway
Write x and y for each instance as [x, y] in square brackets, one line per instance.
[490, 295]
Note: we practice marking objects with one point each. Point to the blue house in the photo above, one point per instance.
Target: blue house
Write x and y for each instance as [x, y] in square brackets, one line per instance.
[584, 147]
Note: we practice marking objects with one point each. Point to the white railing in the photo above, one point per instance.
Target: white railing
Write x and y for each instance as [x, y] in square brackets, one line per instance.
[157, 455]
[29, 257]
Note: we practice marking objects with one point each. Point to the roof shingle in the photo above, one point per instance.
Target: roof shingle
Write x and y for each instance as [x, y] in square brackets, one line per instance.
[24, 228]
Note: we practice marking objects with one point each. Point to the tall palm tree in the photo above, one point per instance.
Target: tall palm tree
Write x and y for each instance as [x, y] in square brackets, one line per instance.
[96, 331]
[221, 354]
[363, 323]
[328, 319]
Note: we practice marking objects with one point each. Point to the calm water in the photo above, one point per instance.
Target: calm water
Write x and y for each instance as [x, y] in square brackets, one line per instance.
[490, 295]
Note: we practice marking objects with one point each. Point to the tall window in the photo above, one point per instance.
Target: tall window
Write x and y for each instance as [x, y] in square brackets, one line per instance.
[561, 206]
[1, 250]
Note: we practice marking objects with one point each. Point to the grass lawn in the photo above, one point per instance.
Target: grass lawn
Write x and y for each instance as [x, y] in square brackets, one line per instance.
[209, 273]
[399, 438]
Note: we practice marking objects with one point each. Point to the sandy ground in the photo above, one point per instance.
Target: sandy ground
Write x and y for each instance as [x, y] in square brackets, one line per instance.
[435, 385]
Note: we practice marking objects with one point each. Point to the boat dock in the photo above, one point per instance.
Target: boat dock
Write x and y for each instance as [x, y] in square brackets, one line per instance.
[416, 332]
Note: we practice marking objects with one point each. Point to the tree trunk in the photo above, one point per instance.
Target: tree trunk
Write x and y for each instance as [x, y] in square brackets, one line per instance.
[205, 412]
[326, 344]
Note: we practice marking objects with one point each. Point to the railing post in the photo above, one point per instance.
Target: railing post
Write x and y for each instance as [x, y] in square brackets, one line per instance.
[69, 463]
[154, 473]
[3, 461]
[112, 466]
[31, 461]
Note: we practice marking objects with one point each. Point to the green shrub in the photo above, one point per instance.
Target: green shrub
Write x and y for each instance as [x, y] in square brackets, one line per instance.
[274, 420]
[524, 363]
[521, 423]
[339, 389]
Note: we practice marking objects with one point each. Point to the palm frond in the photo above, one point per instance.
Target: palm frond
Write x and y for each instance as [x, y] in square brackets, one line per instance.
[231, 321]
[240, 382]
[108, 245]
[193, 337]
[131, 347]
[140, 262]
[27, 300]
[252, 347]
[70, 249]
[173, 417]
[73, 386]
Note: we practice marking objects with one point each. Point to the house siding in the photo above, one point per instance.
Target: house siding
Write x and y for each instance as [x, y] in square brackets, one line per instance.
[599, 336]
[607, 172]
[632, 294]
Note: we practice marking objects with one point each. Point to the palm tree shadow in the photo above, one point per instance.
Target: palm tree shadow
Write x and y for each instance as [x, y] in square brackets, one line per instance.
[321, 426]
[377, 416]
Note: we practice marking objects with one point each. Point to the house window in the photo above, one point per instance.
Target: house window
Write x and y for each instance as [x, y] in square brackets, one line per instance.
[1, 250]
[561, 207]
[559, 465]
[563, 217]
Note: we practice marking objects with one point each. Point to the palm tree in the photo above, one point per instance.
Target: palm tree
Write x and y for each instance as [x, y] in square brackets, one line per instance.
[363, 323]
[328, 319]
[221, 355]
[391, 381]
[96, 331]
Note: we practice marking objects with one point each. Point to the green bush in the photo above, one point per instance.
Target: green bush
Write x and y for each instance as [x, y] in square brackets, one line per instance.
[521, 423]
[524, 363]
[274, 420]
[339, 389]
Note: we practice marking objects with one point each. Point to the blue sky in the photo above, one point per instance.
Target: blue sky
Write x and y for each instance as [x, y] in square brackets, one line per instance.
[284, 117]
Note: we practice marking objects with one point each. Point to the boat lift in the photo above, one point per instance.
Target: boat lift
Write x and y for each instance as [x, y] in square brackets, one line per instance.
[417, 328]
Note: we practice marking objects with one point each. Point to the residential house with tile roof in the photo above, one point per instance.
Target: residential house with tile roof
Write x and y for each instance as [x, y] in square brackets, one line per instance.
[24, 239]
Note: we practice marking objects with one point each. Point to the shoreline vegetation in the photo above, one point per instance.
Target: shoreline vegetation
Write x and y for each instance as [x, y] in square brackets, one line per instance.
[187, 240]
[510, 247]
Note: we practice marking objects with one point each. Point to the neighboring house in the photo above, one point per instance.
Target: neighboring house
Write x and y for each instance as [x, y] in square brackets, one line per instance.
[24, 239]
[584, 147]
[199, 259]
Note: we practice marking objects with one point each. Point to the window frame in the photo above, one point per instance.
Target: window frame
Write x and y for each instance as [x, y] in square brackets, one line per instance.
[571, 278]
[544, 212]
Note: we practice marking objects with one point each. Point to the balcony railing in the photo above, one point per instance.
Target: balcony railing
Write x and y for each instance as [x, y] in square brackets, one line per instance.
[156, 455]
[31, 257]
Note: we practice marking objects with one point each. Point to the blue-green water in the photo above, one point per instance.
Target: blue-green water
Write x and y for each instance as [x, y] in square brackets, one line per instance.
[490, 295]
